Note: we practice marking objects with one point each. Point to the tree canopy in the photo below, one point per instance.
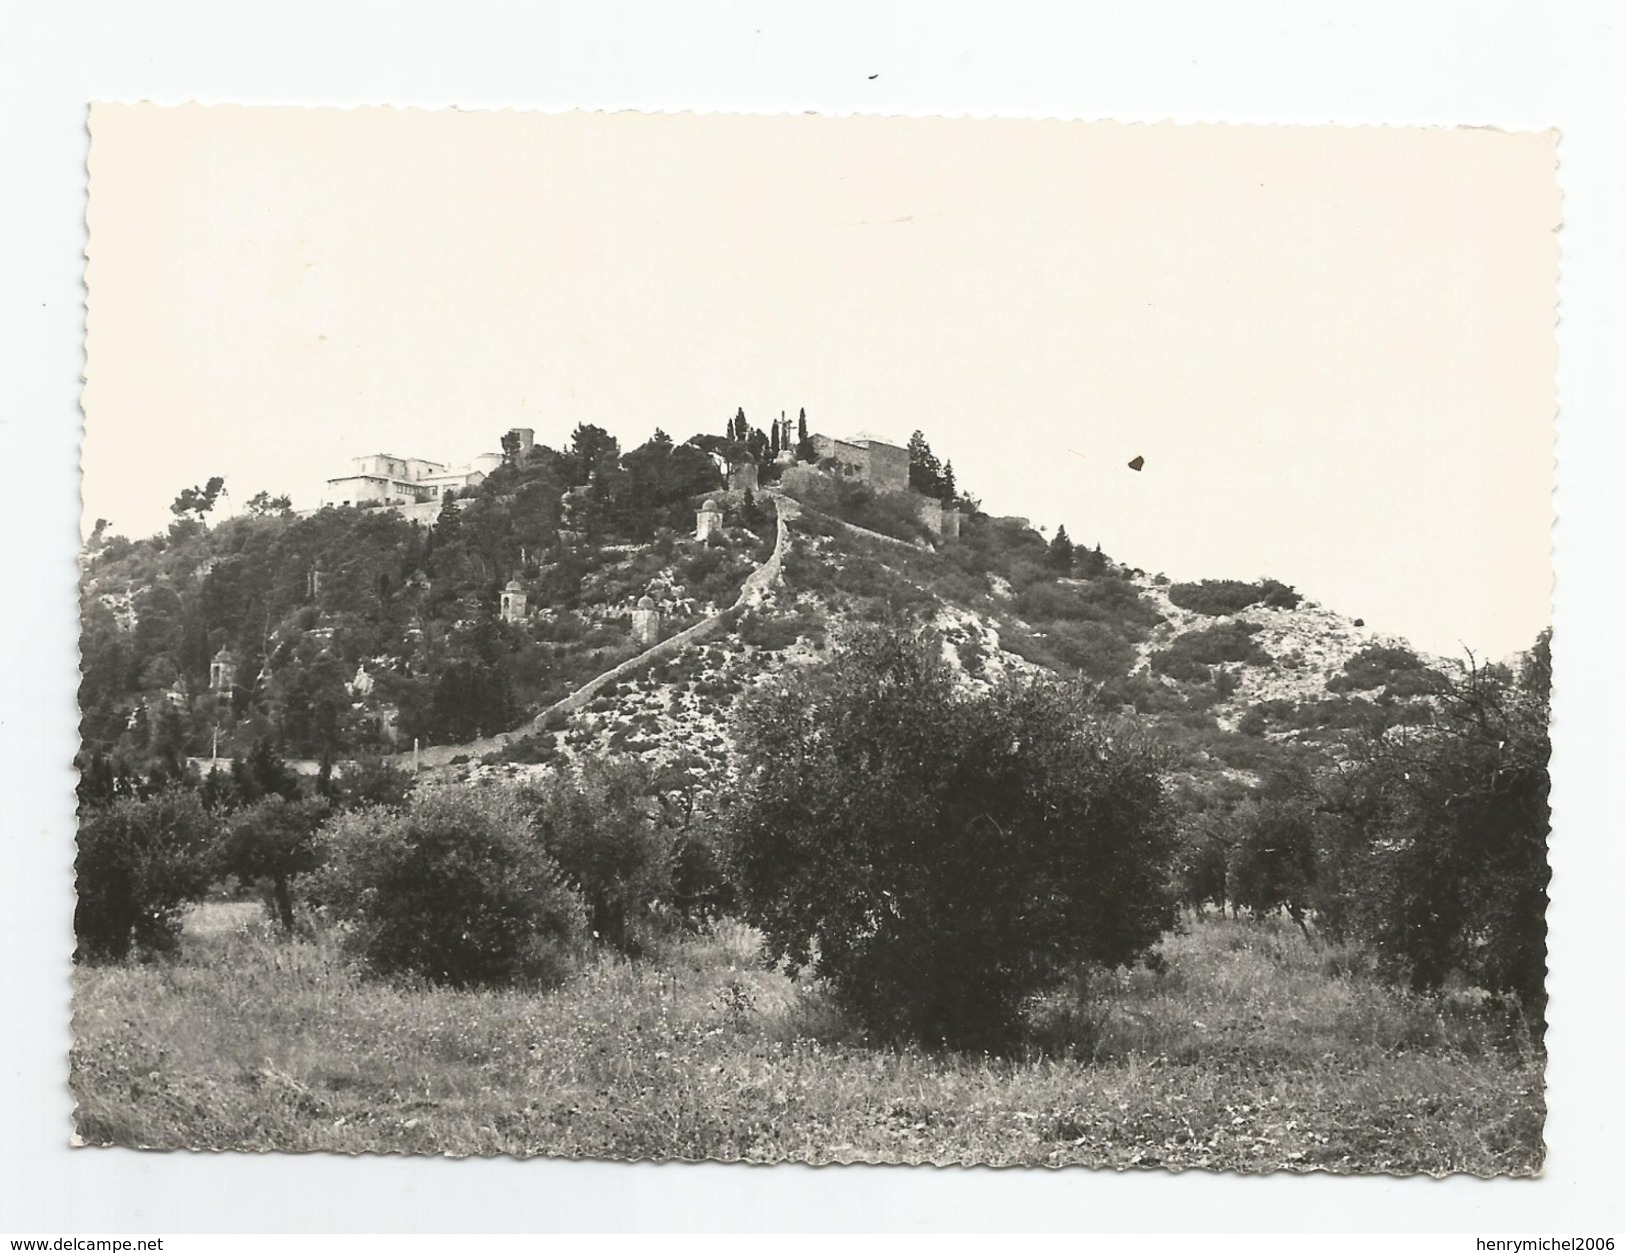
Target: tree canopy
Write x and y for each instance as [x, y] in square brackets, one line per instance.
[939, 855]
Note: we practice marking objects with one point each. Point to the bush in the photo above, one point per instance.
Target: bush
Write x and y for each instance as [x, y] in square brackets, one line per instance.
[1192, 654]
[273, 840]
[374, 782]
[139, 862]
[1115, 602]
[1272, 863]
[455, 888]
[606, 834]
[1094, 649]
[1216, 597]
[531, 750]
[940, 856]
[1446, 833]
[775, 632]
[1399, 670]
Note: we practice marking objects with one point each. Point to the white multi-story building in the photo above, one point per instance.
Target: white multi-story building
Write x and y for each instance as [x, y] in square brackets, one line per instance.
[384, 479]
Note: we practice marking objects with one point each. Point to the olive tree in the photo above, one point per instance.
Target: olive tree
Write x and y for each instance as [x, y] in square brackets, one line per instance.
[140, 861]
[1445, 833]
[937, 855]
[455, 888]
[273, 840]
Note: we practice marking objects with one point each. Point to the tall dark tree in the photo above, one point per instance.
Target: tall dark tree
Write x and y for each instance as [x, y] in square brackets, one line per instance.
[924, 470]
[263, 773]
[658, 482]
[591, 448]
[1060, 550]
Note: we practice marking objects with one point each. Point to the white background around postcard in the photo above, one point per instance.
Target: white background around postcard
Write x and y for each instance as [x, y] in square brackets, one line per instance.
[1518, 66]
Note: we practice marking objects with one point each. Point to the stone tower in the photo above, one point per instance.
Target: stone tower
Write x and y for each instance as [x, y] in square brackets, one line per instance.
[223, 671]
[708, 521]
[646, 623]
[513, 602]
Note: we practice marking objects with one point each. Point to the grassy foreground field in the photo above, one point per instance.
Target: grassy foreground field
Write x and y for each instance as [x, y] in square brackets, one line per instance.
[1254, 1051]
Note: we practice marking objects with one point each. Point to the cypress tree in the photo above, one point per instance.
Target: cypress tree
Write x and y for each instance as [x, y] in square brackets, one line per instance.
[1060, 550]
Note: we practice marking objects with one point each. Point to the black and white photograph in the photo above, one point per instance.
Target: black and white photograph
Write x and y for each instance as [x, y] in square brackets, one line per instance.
[811, 639]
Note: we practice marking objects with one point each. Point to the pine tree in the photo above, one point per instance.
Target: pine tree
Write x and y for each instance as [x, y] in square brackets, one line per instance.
[1060, 550]
[924, 470]
[773, 447]
[801, 427]
[950, 492]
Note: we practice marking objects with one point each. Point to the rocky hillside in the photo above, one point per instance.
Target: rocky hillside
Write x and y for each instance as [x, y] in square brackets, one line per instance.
[1229, 688]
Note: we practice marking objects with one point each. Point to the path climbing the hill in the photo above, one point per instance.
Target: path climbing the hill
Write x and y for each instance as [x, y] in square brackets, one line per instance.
[750, 595]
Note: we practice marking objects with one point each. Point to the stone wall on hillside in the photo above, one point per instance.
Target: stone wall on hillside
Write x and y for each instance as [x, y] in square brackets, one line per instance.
[437, 756]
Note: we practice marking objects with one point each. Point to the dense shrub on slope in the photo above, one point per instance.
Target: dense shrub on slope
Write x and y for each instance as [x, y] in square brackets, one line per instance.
[1399, 671]
[1193, 653]
[1217, 597]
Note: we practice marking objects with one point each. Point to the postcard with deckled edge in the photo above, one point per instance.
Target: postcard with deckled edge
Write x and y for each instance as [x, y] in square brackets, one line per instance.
[812, 639]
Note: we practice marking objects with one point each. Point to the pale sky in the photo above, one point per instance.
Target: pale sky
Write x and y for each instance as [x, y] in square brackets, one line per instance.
[1334, 348]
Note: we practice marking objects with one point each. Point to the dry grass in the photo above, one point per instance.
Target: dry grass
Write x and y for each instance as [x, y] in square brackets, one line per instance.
[1254, 1051]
